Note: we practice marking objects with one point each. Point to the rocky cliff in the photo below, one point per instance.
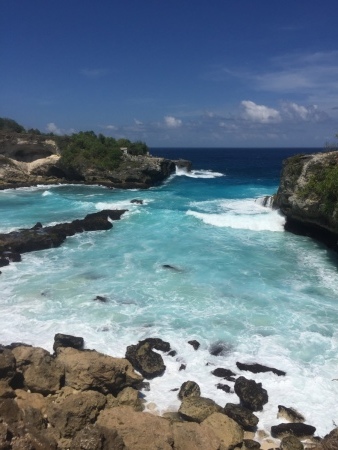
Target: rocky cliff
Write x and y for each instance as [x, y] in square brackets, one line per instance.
[27, 160]
[308, 196]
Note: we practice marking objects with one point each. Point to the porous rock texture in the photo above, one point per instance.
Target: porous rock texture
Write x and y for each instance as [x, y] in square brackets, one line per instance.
[308, 196]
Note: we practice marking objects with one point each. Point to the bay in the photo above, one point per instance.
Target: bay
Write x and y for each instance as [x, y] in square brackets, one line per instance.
[241, 282]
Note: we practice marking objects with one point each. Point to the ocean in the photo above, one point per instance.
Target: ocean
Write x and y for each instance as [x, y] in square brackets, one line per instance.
[238, 281]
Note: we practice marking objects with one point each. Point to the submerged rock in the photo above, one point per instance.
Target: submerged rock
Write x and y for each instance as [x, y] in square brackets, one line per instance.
[259, 368]
[195, 344]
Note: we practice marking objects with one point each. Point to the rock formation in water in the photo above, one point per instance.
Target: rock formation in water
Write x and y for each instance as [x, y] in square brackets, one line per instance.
[28, 159]
[308, 196]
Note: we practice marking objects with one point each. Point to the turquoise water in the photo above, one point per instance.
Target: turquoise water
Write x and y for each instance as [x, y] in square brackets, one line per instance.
[269, 296]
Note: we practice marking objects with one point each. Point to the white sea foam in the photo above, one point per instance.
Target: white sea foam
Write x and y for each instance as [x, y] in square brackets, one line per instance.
[246, 214]
[198, 173]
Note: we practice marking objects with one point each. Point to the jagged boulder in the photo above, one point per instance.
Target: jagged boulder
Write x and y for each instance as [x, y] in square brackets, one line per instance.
[330, 441]
[66, 340]
[291, 443]
[189, 389]
[243, 416]
[93, 437]
[194, 436]
[138, 431]
[41, 372]
[149, 363]
[226, 429]
[70, 413]
[89, 369]
[290, 414]
[252, 395]
[300, 430]
[197, 409]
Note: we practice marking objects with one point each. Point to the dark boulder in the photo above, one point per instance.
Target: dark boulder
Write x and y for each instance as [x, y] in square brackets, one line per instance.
[300, 430]
[243, 416]
[38, 238]
[101, 298]
[251, 394]
[149, 363]
[195, 344]
[250, 444]
[259, 368]
[137, 201]
[223, 387]
[66, 340]
[220, 348]
[189, 389]
[223, 373]
[3, 262]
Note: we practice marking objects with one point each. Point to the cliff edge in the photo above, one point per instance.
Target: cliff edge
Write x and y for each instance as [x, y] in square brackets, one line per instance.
[308, 196]
[27, 160]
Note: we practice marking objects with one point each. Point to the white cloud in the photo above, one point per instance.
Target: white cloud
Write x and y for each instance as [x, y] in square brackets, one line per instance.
[310, 113]
[111, 127]
[260, 113]
[172, 122]
[138, 122]
[52, 128]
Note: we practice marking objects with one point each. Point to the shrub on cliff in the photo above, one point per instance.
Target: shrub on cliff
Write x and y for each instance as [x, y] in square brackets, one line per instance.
[88, 149]
[323, 185]
[98, 151]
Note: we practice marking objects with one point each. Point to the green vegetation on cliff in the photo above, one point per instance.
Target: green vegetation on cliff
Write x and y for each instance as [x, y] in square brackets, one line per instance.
[98, 151]
[322, 185]
[84, 149]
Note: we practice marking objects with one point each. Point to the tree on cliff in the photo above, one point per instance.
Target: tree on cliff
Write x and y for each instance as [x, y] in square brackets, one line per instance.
[10, 125]
[87, 149]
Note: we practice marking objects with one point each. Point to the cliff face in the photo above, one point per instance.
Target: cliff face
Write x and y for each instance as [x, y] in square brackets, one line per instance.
[308, 196]
[27, 160]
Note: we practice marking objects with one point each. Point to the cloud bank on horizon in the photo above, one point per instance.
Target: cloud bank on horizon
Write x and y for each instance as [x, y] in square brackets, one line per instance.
[172, 74]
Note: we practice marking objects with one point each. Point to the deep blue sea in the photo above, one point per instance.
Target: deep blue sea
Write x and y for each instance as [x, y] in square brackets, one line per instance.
[266, 295]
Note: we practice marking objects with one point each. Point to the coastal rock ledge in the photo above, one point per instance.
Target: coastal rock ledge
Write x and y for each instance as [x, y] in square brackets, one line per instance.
[308, 196]
[27, 160]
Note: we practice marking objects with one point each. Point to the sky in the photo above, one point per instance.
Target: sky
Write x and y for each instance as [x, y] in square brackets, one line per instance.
[174, 73]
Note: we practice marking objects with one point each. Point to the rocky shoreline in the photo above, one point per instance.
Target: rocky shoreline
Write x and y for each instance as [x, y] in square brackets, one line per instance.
[81, 399]
[41, 238]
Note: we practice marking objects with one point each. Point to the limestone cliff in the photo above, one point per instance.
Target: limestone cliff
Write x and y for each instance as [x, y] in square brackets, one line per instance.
[27, 160]
[308, 196]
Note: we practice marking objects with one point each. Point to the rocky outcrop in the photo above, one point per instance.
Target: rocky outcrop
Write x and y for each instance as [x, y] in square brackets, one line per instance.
[308, 196]
[41, 238]
[252, 395]
[149, 363]
[84, 400]
[27, 160]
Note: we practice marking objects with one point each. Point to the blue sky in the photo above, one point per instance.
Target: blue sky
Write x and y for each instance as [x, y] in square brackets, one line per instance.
[192, 73]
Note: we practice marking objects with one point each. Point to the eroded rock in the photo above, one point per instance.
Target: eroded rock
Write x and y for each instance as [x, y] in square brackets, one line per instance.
[252, 395]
